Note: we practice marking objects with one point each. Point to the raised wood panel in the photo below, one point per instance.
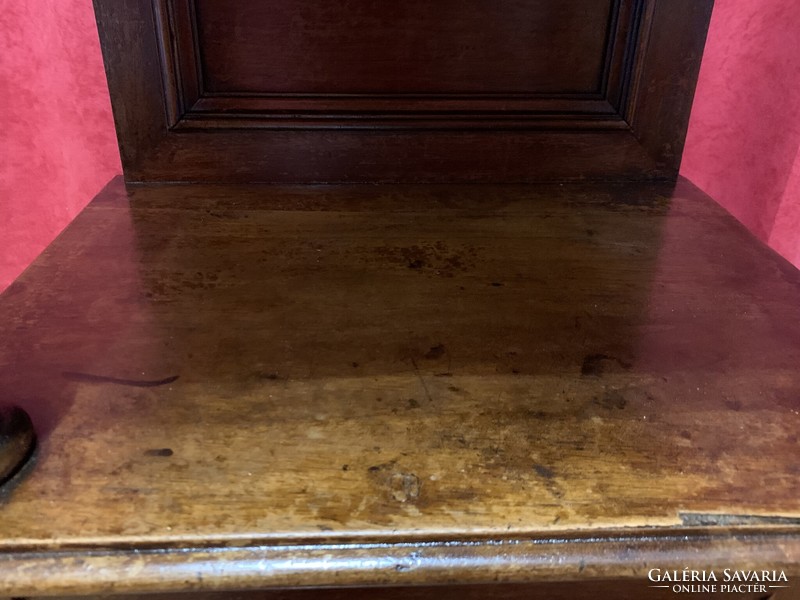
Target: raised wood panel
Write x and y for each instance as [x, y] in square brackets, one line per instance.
[382, 91]
[412, 65]
[413, 46]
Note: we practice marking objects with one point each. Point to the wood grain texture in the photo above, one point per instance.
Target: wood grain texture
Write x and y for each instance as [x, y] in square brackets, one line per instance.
[423, 92]
[242, 387]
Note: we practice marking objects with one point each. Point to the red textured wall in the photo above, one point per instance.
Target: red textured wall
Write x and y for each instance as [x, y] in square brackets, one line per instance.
[744, 135]
[58, 146]
[57, 140]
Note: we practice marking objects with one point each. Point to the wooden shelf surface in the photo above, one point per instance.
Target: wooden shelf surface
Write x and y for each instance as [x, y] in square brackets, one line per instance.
[248, 386]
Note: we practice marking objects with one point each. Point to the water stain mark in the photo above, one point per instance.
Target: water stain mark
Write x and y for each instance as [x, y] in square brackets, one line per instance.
[435, 352]
[597, 365]
[543, 471]
[612, 399]
[549, 477]
[437, 259]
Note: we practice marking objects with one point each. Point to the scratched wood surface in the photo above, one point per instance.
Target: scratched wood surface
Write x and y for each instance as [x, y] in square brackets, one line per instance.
[382, 384]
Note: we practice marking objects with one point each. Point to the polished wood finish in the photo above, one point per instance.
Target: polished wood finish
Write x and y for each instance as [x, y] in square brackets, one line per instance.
[248, 387]
[470, 91]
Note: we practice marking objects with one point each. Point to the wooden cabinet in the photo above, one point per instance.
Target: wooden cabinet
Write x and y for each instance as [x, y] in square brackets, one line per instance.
[379, 90]
[550, 390]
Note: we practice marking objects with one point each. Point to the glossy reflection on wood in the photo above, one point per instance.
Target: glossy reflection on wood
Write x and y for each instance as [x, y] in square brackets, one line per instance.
[245, 387]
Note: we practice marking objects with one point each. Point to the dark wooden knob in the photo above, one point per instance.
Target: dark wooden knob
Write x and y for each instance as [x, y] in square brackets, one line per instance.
[17, 440]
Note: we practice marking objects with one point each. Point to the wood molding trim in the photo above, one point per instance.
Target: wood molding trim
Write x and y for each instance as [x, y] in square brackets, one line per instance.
[599, 556]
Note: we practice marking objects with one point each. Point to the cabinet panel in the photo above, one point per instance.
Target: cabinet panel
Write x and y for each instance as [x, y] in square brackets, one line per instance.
[415, 46]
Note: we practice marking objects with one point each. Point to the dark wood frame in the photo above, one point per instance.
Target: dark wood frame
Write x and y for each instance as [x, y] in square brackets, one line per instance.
[170, 128]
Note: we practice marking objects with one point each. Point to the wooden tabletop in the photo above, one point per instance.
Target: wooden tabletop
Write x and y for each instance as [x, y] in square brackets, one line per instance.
[255, 386]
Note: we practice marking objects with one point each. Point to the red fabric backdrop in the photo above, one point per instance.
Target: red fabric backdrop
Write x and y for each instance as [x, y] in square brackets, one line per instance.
[742, 147]
[58, 144]
[57, 140]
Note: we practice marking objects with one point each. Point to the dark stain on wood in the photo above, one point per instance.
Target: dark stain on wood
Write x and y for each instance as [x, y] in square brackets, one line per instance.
[435, 352]
[143, 383]
[159, 452]
[543, 471]
[599, 364]
[612, 399]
